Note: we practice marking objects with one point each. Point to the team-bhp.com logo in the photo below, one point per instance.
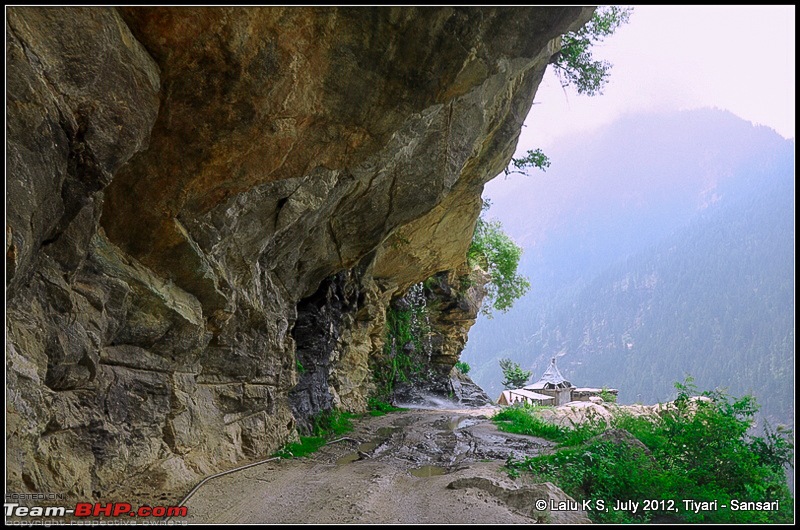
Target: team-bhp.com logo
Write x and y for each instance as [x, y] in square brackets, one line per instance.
[88, 509]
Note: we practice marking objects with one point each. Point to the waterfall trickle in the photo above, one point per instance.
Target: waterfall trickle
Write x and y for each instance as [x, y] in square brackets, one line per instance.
[420, 319]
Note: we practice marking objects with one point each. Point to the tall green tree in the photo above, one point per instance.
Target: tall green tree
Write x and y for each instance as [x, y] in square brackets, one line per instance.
[513, 375]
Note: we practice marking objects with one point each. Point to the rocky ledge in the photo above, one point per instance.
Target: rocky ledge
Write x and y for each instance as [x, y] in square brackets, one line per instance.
[210, 209]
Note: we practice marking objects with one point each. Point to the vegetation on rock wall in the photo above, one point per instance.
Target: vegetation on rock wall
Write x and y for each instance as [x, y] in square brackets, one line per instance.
[463, 367]
[496, 253]
[403, 345]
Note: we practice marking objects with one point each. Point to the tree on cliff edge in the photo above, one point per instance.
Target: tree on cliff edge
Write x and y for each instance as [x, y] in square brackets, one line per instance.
[575, 65]
[498, 255]
[492, 249]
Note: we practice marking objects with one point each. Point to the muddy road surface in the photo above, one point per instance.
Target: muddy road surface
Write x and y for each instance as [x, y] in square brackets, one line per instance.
[418, 466]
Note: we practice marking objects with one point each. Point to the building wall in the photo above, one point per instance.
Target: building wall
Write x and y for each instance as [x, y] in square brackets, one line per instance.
[563, 396]
[583, 394]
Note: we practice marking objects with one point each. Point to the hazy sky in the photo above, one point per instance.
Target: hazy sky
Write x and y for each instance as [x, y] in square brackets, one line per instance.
[671, 57]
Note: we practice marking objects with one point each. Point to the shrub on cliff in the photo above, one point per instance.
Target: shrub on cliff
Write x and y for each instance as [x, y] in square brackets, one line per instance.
[496, 253]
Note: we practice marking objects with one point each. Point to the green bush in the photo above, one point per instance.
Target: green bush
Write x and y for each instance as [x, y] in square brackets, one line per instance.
[463, 367]
[598, 470]
[607, 396]
[697, 449]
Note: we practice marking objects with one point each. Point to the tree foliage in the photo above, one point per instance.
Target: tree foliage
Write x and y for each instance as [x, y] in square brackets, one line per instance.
[533, 158]
[575, 65]
[496, 253]
[513, 375]
[463, 367]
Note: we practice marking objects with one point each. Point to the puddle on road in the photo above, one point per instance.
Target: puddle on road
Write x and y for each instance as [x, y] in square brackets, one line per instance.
[386, 432]
[428, 471]
[460, 423]
[382, 435]
[366, 447]
[346, 459]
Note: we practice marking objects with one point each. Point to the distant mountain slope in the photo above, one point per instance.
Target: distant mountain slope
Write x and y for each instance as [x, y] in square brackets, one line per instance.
[715, 301]
[696, 277]
[619, 189]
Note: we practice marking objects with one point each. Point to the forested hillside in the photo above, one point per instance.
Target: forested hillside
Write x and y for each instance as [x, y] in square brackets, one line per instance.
[695, 278]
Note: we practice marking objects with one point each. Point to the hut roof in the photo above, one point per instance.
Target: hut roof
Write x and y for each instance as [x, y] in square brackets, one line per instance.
[551, 378]
[534, 396]
[531, 395]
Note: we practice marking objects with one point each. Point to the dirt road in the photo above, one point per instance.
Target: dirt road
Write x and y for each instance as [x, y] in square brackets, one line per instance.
[419, 466]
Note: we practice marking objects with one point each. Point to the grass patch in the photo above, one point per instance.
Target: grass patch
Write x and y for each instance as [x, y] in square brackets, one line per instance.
[376, 407]
[333, 423]
[522, 419]
[326, 426]
[329, 425]
[306, 446]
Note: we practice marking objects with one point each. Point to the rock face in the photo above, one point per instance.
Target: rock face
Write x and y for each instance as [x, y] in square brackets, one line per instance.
[447, 305]
[597, 410]
[209, 210]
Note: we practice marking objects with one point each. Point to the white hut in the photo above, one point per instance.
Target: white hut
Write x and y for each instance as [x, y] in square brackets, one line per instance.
[553, 384]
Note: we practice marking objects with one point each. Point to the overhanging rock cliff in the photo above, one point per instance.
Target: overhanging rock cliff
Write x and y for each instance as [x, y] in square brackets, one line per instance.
[201, 200]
